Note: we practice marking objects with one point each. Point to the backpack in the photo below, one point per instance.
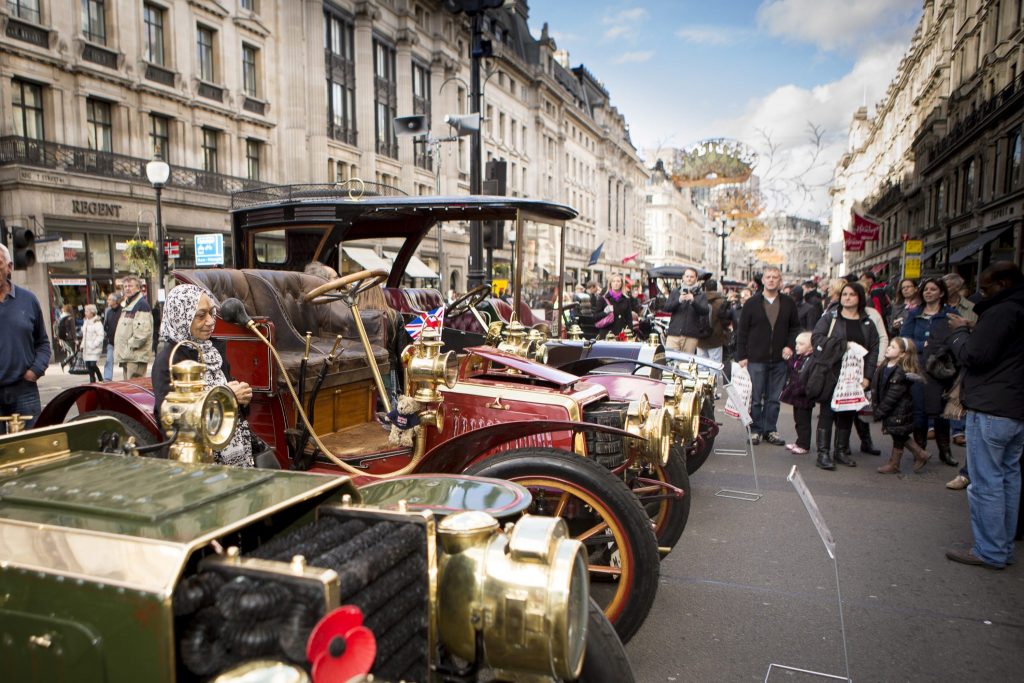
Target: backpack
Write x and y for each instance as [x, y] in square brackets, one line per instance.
[704, 327]
[820, 373]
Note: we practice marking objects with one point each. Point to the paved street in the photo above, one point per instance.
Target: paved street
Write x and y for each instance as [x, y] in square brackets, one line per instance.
[750, 583]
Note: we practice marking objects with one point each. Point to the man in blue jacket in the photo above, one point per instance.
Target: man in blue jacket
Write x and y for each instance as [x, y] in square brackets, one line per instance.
[992, 391]
[25, 352]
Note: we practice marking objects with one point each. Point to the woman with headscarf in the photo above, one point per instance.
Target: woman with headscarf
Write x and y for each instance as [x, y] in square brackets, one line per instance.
[190, 315]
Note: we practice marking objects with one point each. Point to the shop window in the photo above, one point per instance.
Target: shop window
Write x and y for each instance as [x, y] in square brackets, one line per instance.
[74, 255]
[94, 21]
[153, 17]
[99, 251]
[270, 247]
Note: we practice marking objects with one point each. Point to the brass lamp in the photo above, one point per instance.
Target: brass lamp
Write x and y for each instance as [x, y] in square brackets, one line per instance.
[427, 368]
[683, 403]
[205, 418]
[654, 425]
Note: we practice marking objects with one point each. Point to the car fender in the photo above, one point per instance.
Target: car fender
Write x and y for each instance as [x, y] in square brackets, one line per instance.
[455, 455]
[134, 400]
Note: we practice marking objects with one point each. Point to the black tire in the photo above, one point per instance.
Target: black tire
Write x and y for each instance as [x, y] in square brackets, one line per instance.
[668, 515]
[626, 552]
[131, 426]
[698, 457]
[604, 660]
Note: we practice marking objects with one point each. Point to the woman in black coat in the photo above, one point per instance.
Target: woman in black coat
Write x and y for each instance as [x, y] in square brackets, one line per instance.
[849, 323]
[619, 303]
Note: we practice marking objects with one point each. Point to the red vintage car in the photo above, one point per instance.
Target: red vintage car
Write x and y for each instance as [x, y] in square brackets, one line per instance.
[324, 357]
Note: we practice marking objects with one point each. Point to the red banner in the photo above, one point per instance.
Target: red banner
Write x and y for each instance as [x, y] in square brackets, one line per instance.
[865, 228]
[852, 241]
[631, 257]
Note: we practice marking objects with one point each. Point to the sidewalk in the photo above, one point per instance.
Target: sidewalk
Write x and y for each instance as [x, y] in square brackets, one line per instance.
[57, 380]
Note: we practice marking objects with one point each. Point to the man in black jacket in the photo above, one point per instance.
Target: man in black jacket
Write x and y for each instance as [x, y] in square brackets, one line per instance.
[992, 391]
[764, 342]
[688, 309]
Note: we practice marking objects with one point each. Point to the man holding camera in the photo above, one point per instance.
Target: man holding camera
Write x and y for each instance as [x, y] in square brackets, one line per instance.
[691, 321]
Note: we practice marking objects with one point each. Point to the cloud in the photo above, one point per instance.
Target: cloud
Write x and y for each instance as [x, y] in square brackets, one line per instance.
[617, 32]
[713, 35]
[634, 57]
[840, 24]
[624, 24]
[633, 15]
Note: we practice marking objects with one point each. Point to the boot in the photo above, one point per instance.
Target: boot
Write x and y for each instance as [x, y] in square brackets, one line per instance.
[921, 436]
[920, 455]
[942, 441]
[842, 451]
[823, 440]
[864, 432]
[893, 466]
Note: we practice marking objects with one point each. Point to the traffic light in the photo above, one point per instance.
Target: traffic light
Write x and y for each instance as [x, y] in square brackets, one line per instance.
[494, 234]
[24, 251]
[3, 232]
[496, 177]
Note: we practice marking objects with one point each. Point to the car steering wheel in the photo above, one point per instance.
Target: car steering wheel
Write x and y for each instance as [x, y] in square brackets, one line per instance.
[470, 299]
[346, 288]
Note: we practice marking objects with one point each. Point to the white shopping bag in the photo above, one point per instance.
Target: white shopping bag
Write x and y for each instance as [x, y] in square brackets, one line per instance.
[739, 391]
[849, 393]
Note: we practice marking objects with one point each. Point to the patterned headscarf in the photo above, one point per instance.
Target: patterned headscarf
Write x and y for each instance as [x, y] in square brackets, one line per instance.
[176, 326]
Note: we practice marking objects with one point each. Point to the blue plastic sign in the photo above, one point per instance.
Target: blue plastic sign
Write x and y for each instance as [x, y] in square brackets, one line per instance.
[210, 250]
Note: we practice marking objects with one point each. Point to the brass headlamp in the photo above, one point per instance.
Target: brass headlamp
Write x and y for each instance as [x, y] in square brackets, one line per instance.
[654, 425]
[205, 418]
[576, 333]
[683, 402]
[519, 341]
[427, 368]
[524, 593]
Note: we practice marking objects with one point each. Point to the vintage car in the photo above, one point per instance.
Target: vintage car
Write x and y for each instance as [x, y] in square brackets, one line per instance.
[321, 360]
[120, 568]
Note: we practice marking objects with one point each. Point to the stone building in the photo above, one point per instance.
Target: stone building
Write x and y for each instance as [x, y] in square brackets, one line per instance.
[940, 160]
[674, 224]
[803, 243]
[233, 93]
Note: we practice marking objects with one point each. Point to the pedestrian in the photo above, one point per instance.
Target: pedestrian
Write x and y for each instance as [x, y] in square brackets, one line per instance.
[690, 311]
[764, 342]
[795, 394]
[67, 335]
[620, 305]
[190, 315]
[867, 446]
[25, 353]
[893, 405]
[878, 295]
[992, 391]
[133, 339]
[110, 318]
[928, 327]
[907, 297]
[712, 346]
[965, 309]
[849, 323]
[92, 342]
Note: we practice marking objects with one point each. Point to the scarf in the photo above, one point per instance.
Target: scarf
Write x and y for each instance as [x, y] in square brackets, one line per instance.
[615, 295]
[176, 326]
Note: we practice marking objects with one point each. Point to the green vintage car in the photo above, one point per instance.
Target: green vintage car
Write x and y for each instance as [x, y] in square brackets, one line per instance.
[118, 567]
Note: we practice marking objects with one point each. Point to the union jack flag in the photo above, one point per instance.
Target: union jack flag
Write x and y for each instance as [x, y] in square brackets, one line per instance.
[435, 319]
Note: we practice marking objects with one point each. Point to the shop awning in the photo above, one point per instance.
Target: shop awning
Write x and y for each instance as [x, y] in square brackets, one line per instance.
[416, 267]
[879, 267]
[367, 258]
[975, 245]
[931, 252]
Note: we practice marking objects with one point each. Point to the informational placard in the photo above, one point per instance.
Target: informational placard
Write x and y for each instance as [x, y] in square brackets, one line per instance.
[797, 481]
[50, 251]
[912, 250]
[210, 250]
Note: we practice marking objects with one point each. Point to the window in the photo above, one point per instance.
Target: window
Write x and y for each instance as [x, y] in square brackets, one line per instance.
[98, 125]
[1013, 154]
[204, 53]
[153, 17]
[249, 5]
[210, 136]
[94, 21]
[341, 86]
[421, 106]
[249, 80]
[27, 102]
[253, 156]
[24, 9]
[385, 98]
[968, 203]
[160, 137]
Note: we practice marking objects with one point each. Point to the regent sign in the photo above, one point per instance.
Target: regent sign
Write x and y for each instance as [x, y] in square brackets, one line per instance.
[86, 208]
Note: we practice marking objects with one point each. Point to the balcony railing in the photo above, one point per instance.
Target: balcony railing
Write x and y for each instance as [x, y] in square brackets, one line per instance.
[160, 75]
[26, 32]
[210, 92]
[55, 156]
[99, 55]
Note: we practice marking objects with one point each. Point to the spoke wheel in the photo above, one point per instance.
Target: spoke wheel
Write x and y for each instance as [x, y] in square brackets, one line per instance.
[668, 514]
[603, 514]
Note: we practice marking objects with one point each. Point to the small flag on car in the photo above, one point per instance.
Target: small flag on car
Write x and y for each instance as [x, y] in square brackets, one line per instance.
[435, 319]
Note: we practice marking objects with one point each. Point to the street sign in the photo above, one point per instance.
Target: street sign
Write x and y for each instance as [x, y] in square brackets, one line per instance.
[914, 246]
[912, 267]
[210, 250]
[172, 249]
[50, 250]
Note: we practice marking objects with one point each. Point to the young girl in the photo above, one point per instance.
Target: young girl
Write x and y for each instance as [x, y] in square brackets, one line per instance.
[894, 406]
[795, 395]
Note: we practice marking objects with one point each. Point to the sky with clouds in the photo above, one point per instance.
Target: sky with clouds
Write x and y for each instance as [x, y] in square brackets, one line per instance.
[681, 71]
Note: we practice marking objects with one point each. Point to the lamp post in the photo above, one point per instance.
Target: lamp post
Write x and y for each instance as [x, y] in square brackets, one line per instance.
[726, 231]
[158, 171]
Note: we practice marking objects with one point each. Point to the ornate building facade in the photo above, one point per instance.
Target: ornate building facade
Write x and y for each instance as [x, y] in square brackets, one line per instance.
[674, 224]
[940, 160]
[234, 93]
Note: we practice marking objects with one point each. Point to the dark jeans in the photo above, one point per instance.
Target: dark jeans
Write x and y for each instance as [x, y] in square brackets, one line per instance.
[842, 419]
[802, 420]
[95, 374]
[767, 380]
[22, 398]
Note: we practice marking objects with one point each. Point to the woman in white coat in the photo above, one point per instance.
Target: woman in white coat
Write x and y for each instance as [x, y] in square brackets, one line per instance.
[92, 342]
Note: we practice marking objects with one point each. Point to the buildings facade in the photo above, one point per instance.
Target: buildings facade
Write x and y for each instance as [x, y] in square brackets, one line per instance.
[235, 93]
[674, 224]
[940, 160]
[802, 243]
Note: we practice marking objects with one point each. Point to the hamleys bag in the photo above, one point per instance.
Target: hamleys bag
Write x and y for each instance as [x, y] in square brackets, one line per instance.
[849, 393]
[739, 391]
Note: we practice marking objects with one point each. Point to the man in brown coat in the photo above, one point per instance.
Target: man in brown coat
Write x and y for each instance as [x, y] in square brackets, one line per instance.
[711, 347]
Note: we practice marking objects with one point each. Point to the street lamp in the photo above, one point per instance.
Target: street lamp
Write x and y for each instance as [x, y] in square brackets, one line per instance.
[726, 231]
[158, 171]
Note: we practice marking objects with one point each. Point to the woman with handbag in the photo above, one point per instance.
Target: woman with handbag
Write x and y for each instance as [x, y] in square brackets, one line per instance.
[190, 315]
[848, 323]
[618, 310]
[92, 342]
[928, 327]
